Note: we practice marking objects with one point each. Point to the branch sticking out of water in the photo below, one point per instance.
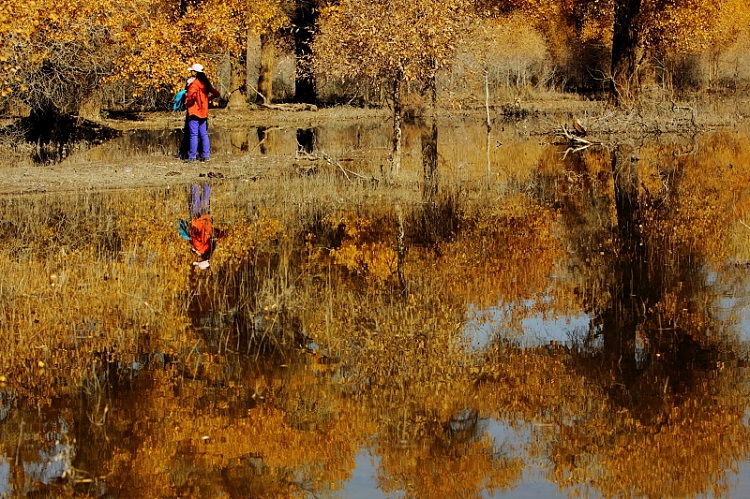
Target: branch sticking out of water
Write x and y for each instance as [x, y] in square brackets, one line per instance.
[576, 142]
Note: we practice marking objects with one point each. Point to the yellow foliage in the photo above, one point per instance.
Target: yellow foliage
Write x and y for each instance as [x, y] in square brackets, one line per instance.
[146, 42]
[389, 38]
[362, 253]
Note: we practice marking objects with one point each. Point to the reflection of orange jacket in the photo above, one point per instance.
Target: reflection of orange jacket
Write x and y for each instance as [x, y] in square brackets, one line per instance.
[197, 98]
[201, 231]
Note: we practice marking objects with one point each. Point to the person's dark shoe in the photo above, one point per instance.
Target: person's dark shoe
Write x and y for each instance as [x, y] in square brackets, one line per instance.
[189, 160]
[205, 160]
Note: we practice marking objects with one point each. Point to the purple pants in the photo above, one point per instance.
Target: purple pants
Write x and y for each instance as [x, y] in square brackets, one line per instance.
[200, 202]
[198, 131]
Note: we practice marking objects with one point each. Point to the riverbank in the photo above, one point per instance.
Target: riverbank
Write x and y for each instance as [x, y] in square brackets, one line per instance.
[546, 120]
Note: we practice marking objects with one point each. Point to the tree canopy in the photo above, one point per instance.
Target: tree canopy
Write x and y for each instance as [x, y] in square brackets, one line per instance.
[57, 53]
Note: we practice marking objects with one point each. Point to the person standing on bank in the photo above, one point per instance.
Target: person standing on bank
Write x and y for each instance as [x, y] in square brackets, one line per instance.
[199, 93]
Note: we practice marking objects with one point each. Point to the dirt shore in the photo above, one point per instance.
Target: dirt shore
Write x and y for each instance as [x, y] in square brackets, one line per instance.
[21, 176]
[73, 174]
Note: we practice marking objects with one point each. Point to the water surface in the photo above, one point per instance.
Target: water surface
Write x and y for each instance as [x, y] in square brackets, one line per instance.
[510, 321]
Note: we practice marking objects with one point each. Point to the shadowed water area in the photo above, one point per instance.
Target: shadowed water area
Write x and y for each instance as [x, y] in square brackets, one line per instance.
[504, 317]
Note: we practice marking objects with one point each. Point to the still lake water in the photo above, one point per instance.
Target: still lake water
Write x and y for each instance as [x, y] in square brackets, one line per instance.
[567, 324]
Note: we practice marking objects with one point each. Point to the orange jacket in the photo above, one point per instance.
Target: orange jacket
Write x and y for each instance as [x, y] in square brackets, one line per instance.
[198, 97]
[201, 232]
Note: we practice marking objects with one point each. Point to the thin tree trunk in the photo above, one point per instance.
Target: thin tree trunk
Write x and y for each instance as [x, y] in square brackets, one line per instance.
[488, 122]
[397, 125]
[400, 248]
[429, 137]
[305, 21]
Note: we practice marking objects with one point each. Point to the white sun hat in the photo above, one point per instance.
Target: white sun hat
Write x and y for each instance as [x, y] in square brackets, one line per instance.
[198, 68]
[203, 264]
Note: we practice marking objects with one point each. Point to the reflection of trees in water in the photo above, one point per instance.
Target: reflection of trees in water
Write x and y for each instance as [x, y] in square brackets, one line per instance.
[657, 364]
[450, 459]
[262, 136]
[306, 140]
[403, 353]
[641, 409]
[264, 430]
[655, 282]
[440, 213]
[57, 135]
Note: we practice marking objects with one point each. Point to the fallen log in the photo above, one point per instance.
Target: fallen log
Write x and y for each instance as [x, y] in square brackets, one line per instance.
[292, 106]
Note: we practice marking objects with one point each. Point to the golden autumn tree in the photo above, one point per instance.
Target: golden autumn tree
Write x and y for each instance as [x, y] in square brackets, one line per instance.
[646, 29]
[209, 31]
[54, 54]
[59, 54]
[391, 43]
[633, 31]
[241, 22]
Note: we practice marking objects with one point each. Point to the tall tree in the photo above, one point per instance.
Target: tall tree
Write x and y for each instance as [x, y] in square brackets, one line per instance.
[55, 54]
[58, 54]
[229, 27]
[625, 47]
[390, 43]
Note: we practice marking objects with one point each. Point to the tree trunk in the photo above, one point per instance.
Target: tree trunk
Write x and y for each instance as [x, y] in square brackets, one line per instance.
[400, 248]
[90, 107]
[238, 82]
[265, 74]
[305, 21]
[429, 137]
[488, 124]
[626, 48]
[397, 124]
[252, 66]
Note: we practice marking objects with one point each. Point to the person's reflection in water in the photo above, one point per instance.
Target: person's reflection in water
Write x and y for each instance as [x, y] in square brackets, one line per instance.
[200, 232]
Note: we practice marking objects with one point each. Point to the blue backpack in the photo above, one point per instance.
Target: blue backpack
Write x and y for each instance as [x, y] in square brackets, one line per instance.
[179, 101]
[184, 229]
